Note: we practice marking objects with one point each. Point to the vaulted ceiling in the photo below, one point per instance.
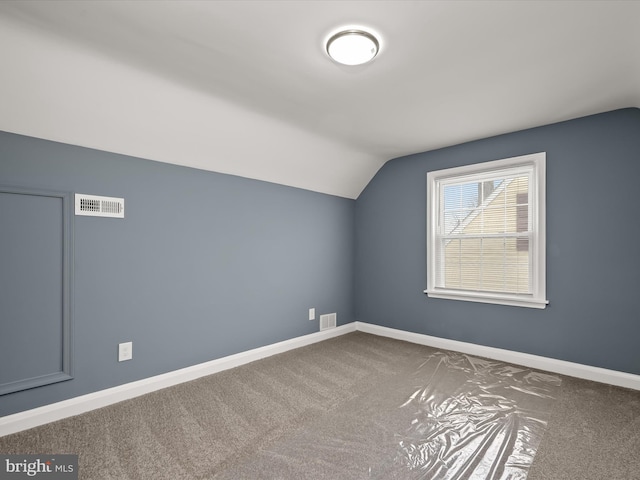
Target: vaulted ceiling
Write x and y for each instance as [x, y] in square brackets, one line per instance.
[246, 88]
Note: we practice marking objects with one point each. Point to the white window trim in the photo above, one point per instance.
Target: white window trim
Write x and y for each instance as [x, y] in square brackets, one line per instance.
[537, 299]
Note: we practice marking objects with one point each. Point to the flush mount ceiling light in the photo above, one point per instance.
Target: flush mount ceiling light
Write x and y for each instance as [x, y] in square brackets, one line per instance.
[353, 47]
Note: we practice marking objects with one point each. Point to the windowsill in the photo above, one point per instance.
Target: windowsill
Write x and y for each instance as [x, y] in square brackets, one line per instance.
[488, 298]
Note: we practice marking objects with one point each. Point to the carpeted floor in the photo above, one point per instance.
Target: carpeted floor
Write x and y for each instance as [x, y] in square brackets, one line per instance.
[355, 407]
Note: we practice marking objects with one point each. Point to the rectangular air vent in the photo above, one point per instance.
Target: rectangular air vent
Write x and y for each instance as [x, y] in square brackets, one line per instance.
[95, 206]
[327, 321]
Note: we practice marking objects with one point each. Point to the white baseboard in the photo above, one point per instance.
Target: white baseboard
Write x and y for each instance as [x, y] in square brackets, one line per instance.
[84, 403]
[596, 374]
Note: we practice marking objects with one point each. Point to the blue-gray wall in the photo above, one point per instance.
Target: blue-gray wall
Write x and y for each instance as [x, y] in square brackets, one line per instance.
[593, 259]
[204, 265]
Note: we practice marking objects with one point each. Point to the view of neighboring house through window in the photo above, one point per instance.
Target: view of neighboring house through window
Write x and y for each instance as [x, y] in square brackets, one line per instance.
[485, 238]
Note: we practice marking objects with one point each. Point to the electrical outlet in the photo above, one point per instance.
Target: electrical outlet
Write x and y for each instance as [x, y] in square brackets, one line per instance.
[312, 314]
[125, 351]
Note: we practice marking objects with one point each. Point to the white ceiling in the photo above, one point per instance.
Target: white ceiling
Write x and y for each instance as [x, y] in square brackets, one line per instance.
[245, 87]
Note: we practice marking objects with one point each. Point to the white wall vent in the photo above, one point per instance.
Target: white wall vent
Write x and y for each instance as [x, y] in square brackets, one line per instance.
[95, 206]
[328, 321]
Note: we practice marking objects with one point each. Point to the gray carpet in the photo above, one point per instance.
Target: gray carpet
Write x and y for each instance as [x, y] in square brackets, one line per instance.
[343, 409]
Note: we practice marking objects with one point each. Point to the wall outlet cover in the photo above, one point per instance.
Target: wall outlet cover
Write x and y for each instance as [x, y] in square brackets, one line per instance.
[125, 351]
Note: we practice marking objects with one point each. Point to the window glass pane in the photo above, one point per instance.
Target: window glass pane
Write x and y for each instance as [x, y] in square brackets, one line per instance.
[452, 197]
[512, 223]
[452, 275]
[469, 195]
[470, 276]
[493, 250]
[493, 277]
[517, 185]
[517, 276]
[522, 245]
[452, 220]
[469, 263]
[470, 249]
[495, 219]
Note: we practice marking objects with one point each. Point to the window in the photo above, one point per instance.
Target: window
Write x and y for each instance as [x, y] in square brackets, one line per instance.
[486, 232]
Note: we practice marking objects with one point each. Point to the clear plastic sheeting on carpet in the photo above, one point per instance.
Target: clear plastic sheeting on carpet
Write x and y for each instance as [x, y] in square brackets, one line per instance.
[444, 416]
[472, 418]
